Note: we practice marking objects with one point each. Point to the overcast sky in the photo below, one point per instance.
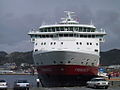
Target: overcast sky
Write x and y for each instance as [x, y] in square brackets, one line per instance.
[17, 17]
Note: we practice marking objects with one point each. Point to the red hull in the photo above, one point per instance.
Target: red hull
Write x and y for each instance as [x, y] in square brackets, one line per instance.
[67, 70]
[65, 75]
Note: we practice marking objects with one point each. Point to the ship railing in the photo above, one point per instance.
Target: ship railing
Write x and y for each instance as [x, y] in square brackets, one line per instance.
[37, 31]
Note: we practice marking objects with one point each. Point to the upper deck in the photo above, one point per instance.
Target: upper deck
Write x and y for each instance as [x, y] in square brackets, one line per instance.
[68, 27]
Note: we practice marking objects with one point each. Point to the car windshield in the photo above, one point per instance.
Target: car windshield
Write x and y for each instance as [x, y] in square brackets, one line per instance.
[98, 80]
[2, 80]
[22, 81]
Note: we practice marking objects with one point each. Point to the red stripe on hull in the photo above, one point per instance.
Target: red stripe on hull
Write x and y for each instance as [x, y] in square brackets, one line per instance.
[67, 70]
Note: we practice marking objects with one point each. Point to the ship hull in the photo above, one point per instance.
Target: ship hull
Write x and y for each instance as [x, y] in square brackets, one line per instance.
[65, 75]
[65, 68]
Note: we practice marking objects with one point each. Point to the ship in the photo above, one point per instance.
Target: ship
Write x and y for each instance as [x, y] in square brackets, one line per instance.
[66, 53]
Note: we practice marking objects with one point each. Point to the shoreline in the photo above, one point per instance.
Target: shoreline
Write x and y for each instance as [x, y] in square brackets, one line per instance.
[17, 74]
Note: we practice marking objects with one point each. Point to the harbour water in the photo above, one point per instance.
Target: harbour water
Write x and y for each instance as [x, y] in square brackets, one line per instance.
[32, 80]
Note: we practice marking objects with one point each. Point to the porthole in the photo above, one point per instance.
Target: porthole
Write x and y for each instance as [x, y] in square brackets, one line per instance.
[44, 43]
[36, 50]
[61, 62]
[92, 64]
[51, 43]
[88, 59]
[69, 62]
[96, 50]
[80, 43]
[81, 62]
[77, 43]
[41, 43]
[97, 44]
[61, 42]
[41, 62]
[87, 43]
[54, 61]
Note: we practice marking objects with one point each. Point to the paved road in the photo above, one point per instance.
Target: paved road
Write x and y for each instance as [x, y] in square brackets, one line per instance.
[72, 88]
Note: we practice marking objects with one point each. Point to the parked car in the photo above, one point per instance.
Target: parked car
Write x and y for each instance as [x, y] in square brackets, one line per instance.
[21, 84]
[98, 82]
[3, 84]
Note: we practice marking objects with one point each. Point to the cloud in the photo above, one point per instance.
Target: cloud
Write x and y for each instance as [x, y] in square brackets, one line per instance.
[18, 46]
[17, 17]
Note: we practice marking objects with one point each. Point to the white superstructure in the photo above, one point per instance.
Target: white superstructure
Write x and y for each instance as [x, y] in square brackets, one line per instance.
[69, 37]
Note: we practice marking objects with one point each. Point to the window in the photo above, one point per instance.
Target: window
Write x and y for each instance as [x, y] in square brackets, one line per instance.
[97, 44]
[41, 43]
[41, 62]
[88, 59]
[61, 62]
[68, 61]
[44, 43]
[90, 43]
[96, 50]
[87, 43]
[51, 43]
[92, 64]
[33, 39]
[62, 43]
[54, 43]
[77, 43]
[36, 50]
[54, 61]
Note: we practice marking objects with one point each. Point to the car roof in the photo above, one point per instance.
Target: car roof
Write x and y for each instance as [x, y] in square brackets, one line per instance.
[98, 78]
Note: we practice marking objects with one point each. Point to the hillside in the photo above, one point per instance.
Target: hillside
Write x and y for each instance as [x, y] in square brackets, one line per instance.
[110, 57]
[17, 57]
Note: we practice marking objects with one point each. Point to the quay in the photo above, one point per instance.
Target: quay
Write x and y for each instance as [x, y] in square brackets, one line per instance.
[114, 81]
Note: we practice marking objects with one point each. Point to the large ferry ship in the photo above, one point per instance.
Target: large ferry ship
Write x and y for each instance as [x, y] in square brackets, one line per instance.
[66, 53]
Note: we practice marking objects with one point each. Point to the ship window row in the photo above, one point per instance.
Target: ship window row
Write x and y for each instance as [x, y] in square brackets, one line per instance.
[61, 62]
[79, 29]
[77, 43]
[67, 35]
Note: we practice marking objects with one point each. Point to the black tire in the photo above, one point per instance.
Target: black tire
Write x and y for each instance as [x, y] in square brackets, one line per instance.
[27, 88]
[87, 85]
[95, 87]
[106, 87]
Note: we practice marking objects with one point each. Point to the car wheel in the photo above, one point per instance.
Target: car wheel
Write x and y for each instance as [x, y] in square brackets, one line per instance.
[106, 87]
[95, 86]
[87, 85]
[27, 88]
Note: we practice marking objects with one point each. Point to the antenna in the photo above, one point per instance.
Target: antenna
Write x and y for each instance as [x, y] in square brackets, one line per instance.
[68, 14]
[91, 22]
[43, 23]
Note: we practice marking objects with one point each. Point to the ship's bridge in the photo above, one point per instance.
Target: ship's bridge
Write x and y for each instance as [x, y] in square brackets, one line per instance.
[68, 27]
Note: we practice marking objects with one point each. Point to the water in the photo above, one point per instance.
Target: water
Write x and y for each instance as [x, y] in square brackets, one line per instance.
[32, 80]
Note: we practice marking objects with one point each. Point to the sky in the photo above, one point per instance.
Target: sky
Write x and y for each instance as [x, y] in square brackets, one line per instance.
[18, 17]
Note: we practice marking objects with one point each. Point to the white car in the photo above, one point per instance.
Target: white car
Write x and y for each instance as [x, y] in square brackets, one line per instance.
[21, 84]
[98, 82]
[3, 84]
